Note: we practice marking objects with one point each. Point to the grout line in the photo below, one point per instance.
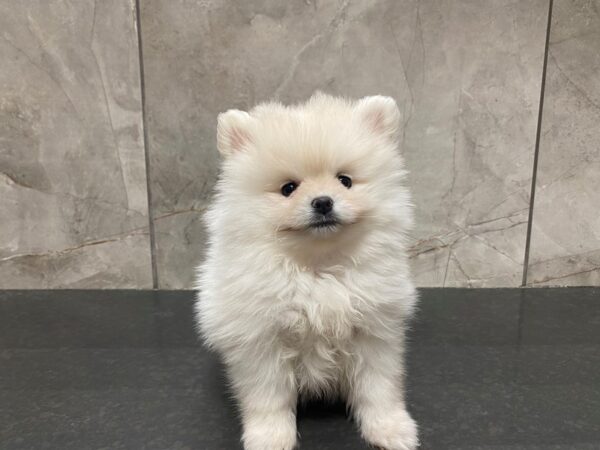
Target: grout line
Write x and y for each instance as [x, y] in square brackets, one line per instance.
[146, 147]
[537, 147]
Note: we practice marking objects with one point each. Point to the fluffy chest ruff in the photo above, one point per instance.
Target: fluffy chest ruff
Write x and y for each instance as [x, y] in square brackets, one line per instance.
[312, 320]
[316, 326]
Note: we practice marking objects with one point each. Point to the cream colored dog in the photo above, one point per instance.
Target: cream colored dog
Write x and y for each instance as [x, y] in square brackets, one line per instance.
[306, 288]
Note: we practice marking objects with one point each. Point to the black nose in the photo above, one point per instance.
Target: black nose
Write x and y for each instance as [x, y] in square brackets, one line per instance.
[322, 205]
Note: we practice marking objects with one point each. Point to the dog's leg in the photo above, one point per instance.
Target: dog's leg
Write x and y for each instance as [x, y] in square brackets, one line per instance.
[376, 395]
[266, 389]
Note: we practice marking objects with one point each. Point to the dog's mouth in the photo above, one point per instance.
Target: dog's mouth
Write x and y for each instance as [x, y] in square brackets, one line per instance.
[319, 225]
[324, 224]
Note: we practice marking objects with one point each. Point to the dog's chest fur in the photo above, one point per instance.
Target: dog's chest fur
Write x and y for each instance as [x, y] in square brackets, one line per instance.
[320, 315]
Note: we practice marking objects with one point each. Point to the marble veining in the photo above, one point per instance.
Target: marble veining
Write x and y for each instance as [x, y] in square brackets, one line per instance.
[72, 172]
[565, 245]
[466, 74]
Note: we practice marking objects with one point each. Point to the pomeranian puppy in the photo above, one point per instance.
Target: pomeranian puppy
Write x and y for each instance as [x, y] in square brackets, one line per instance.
[306, 288]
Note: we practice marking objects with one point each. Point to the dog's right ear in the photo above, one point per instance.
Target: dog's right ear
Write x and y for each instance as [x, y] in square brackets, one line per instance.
[380, 114]
[234, 131]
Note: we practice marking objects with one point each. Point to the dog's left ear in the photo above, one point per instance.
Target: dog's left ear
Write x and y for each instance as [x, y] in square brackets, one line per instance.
[234, 131]
[380, 114]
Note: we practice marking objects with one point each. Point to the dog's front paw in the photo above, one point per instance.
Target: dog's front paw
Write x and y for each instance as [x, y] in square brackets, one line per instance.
[390, 430]
[272, 432]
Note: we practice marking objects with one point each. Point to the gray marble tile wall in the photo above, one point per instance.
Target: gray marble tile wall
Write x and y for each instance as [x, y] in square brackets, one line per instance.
[565, 242]
[467, 75]
[73, 203]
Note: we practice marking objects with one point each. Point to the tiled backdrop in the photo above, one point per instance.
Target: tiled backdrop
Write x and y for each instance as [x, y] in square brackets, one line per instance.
[467, 74]
[73, 203]
[565, 246]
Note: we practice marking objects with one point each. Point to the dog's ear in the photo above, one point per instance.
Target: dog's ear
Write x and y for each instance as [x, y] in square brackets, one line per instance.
[380, 114]
[234, 131]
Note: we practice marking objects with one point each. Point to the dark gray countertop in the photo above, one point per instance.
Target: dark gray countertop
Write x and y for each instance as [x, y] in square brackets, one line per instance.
[494, 369]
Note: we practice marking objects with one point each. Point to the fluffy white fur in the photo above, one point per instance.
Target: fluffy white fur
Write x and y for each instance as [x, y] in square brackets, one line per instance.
[298, 311]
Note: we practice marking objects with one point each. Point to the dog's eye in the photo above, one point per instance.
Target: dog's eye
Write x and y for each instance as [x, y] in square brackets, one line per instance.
[288, 188]
[345, 180]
